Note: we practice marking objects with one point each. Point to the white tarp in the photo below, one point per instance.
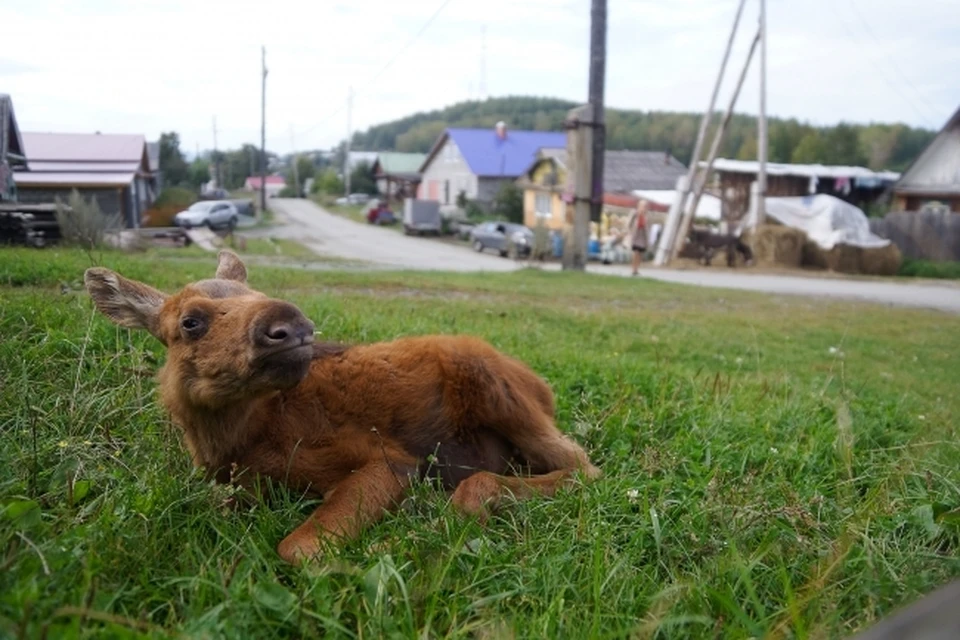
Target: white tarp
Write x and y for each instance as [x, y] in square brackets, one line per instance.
[826, 220]
[708, 207]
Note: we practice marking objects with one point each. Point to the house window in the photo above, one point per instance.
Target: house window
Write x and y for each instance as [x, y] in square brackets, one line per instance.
[542, 206]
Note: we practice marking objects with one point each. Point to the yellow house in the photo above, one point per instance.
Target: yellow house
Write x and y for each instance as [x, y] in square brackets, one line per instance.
[542, 187]
[544, 182]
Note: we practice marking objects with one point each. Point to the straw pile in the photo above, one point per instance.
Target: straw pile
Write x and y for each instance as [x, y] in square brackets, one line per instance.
[843, 258]
[775, 244]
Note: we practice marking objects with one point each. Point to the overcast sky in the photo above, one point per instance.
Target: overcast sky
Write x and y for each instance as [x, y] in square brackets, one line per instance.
[146, 67]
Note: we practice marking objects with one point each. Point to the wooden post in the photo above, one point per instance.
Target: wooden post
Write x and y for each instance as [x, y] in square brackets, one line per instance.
[691, 212]
[579, 190]
[762, 121]
[664, 257]
[665, 242]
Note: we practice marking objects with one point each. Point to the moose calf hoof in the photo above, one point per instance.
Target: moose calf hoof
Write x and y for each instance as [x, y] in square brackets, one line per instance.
[476, 495]
[296, 549]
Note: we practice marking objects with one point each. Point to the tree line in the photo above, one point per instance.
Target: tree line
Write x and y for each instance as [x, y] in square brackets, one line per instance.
[876, 145]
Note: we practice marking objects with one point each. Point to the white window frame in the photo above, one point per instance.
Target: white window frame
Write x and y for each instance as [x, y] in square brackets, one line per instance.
[537, 202]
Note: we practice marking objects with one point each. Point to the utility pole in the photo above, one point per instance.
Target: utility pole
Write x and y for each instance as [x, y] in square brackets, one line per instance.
[760, 206]
[346, 153]
[216, 157]
[585, 147]
[263, 134]
[483, 62]
[665, 247]
[598, 70]
[293, 158]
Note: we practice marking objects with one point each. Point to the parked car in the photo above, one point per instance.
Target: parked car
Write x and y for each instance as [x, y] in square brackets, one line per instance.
[509, 239]
[209, 213]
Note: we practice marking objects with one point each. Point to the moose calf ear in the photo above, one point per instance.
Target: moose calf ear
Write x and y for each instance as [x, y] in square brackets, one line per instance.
[231, 267]
[126, 302]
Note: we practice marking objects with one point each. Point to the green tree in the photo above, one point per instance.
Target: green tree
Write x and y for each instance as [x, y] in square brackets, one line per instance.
[508, 203]
[841, 145]
[329, 182]
[172, 163]
[198, 174]
[361, 179]
[809, 150]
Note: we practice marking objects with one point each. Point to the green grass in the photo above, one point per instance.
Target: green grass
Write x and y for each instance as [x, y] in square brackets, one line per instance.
[774, 467]
[929, 269]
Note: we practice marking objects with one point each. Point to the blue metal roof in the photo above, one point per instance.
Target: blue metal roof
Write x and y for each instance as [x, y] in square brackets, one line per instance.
[489, 156]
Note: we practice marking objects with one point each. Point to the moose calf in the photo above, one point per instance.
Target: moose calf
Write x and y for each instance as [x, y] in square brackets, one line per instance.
[356, 425]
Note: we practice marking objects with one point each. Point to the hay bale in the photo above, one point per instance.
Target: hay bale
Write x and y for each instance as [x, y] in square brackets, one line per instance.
[844, 258]
[885, 261]
[776, 245]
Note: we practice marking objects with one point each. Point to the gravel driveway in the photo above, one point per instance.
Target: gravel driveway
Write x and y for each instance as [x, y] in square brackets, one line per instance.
[328, 234]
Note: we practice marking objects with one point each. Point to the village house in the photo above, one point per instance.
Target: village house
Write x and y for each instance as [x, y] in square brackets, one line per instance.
[478, 162]
[624, 174]
[934, 177]
[859, 186]
[398, 174]
[275, 184]
[12, 155]
[112, 169]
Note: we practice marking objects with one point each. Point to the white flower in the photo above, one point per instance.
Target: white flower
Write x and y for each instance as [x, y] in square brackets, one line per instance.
[774, 450]
[633, 495]
[739, 360]
[922, 417]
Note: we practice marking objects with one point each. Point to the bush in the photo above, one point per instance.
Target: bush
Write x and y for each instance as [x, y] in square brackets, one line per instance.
[288, 192]
[329, 182]
[175, 197]
[83, 224]
[508, 203]
[928, 269]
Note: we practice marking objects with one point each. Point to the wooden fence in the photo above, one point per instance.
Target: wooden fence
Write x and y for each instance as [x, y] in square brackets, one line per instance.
[922, 235]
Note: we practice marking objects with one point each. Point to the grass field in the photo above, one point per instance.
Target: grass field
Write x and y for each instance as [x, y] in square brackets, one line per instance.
[774, 467]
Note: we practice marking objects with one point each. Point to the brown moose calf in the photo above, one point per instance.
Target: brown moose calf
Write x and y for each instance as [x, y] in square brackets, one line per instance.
[356, 425]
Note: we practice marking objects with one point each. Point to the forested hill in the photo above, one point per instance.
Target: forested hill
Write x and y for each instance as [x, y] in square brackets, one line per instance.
[878, 146]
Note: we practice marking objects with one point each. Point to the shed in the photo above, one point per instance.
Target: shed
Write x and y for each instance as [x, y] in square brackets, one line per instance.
[934, 177]
[112, 169]
[857, 185]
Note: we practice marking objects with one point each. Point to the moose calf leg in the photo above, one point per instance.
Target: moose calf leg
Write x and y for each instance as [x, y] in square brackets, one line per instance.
[356, 502]
[481, 493]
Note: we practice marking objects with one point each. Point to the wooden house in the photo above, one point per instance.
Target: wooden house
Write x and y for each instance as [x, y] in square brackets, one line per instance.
[398, 174]
[934, 177]
[112, 169]
[12, 155]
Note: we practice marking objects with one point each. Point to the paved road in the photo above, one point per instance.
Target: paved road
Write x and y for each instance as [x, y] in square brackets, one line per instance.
[333, 235]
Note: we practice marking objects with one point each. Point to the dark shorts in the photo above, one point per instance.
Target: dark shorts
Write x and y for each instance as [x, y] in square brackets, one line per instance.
[639, 249]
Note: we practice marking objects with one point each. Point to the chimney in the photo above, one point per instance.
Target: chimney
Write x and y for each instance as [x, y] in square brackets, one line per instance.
[501, 130]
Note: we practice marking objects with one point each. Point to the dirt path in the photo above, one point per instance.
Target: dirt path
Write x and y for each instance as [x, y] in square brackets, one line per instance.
[328, 234]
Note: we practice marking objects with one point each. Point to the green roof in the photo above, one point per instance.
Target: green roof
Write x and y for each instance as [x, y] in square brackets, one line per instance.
[395, 163]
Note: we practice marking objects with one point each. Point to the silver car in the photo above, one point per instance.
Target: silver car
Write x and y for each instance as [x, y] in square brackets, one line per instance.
[209, 213]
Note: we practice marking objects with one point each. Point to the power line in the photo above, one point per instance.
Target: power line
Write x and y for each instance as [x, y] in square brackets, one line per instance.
[893, 62]
[883, 74]
[382, 70]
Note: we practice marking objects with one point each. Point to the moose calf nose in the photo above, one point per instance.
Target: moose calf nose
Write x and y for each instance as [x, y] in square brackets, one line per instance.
[281, 326]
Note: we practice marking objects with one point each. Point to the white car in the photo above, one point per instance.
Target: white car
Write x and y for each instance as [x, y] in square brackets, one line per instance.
[209, 213]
